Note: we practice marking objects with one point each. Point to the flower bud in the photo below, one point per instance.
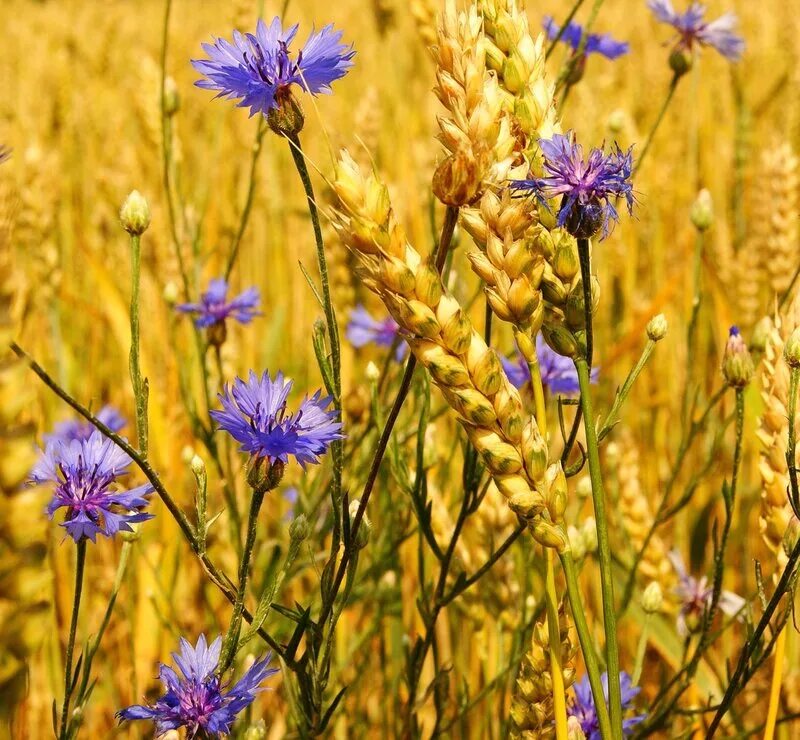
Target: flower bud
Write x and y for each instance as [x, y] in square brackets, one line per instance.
[299, 528]
[170, 293]
[737, 365]
[680, 61]
[583, 489]
[286, 118]
[657, 328]
[589, 533]
[263, 475]
[256, 731]
[701, 213]
[791, 351]
[372, 372]
[135, 214]
[172, 101]
[198, 466]
[132, 535]
[217, 333]
[616, 121]
[652, 598]
[760, 335]
[187, 453]
[364, 529]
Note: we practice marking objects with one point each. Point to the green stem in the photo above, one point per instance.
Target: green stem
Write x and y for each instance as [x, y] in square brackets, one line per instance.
[337, 448]
[641, 649]
[603, 549]
[670, 92]
[140, 390]
[232, 637]
[587, 645]
[73, 628]
[563, 28]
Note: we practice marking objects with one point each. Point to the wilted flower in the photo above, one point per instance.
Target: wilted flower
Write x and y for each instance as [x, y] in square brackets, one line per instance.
[66, 431]
[583, 707]
[692, 29]
[596, 43]
[214, 307]
[586, 187]
[695, 595]
[254, 414]
[260, 70]
[558, 373]
[363, 329]
[197, 699]
[84, 471]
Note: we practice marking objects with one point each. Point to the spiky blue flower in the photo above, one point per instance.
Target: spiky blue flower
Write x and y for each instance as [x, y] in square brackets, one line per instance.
[256, 68]
[71, 429]
[558, 373]
[596, 43]
[84, 472]
[693, 29]
[364, 329]
[584, 710]
[585, 187]
[196, 698]
[214, 306]
[254, 413]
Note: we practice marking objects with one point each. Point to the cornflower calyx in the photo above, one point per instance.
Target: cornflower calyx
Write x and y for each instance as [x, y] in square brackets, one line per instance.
[585, 187]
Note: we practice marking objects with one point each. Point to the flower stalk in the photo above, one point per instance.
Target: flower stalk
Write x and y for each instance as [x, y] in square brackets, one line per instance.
[73, 628]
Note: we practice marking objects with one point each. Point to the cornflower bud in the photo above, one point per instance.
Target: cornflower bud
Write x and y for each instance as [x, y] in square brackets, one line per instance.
[680, 61]
[299, 528]
[657, 328]
[372, 372]
[652, 598]
[791, 351]
[263, 475]
[701, 213]
[198, 466]
[287, 115]
[737, 365]
[170, 293]
[135, 214]
[364, 529]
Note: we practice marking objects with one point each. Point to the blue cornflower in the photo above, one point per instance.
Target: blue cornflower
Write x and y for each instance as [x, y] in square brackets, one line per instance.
[596, 43]
[259, 68]
[558, 373]
[586, 187]
[84, 471]
[583, 707]
[693, 29]
[254, 414]
[214, 306]
[66, 431]
[363, 329]
[197, 699]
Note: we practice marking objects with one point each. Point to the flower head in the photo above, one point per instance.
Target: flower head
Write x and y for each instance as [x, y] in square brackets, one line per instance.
[254, 413]
[196, 698]
[84, 472]
[583, 707]
[696, 595]
[259, 69]
[585, 187]
[692, 29]
[66, 431]
[558, 373]
[737, 364]
[214, 306]
[596, 43]
[363, 329]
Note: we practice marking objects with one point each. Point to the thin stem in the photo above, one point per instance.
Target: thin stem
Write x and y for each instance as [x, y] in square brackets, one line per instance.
[586, 280]
[73, 627]
[641, 650]
[603, 549]
[140, 391]
[587, 645]
[554, 634]
[337, 448]
[670, 92]
[248, 204]
[232, 636]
